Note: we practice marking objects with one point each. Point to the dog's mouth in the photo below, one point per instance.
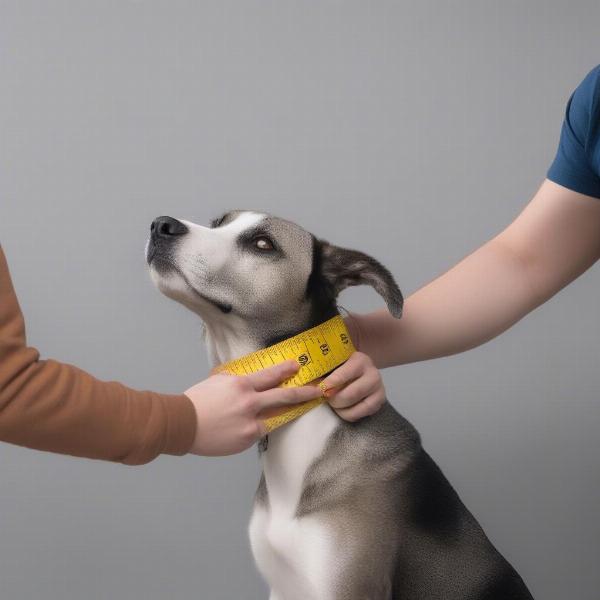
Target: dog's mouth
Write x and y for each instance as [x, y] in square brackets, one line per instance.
[163, 264]
[225, 308]
[158, 254]
[150, 252]
[161, 260]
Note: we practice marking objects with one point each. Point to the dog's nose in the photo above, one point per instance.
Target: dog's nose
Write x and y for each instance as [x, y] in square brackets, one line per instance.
[167, 227]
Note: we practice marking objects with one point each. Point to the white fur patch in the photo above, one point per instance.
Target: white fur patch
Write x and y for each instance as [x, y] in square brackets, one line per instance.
[295, 555]
[214, 244]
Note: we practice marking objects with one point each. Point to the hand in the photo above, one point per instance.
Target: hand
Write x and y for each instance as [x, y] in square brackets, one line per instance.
[355, 389]
[228, 407]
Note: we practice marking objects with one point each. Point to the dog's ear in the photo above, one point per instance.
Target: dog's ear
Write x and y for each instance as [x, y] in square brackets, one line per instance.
[338, 268]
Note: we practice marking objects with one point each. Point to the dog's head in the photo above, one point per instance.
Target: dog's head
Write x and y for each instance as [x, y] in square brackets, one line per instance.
[254, 268]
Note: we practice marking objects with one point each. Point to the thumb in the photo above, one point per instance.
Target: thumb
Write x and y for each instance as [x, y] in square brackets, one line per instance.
[272, 376]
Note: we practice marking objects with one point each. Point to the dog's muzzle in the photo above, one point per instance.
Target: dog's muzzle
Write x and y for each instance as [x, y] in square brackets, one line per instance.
[163, 232]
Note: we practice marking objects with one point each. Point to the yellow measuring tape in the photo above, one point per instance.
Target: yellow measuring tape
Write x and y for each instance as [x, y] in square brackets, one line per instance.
[317, 351]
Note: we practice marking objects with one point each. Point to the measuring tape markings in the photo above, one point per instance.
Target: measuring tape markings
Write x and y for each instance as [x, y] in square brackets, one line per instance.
[318, 350]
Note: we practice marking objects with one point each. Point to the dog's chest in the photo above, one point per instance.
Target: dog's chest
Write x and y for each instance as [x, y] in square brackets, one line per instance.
[294, 554]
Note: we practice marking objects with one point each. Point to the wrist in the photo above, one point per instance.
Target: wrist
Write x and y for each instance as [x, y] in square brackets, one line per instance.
[181, 424]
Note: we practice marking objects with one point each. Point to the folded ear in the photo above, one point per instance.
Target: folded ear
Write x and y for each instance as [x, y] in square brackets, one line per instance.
[340, 268]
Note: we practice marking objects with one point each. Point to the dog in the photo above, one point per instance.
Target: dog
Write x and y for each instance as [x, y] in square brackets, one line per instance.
[343, 511]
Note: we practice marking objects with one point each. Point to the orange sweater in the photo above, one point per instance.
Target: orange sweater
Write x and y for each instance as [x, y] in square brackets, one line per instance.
[52, 406]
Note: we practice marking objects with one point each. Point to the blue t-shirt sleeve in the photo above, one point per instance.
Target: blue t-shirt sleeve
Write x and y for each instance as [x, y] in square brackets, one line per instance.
[577, 162]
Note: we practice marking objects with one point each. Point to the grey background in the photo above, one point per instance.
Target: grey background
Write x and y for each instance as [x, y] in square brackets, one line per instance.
[413, 131]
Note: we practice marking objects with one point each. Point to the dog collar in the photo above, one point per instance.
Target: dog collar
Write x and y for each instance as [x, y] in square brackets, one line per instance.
[317, 350]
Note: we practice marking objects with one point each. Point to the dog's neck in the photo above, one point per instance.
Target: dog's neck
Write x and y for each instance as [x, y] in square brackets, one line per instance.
[228, 339]
[231, 336]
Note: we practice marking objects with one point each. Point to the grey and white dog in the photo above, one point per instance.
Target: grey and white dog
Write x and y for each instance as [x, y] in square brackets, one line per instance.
[343, 511]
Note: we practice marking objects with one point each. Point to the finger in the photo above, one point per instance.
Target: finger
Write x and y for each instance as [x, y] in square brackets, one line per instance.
[350, 370]
[272, 376]
[355, 391]
[286, 396]
[367, 407]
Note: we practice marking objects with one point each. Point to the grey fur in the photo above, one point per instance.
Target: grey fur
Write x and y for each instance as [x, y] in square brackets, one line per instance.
[343, 268]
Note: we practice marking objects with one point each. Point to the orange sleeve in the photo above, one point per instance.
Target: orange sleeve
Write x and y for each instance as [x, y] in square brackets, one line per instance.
[57, 407]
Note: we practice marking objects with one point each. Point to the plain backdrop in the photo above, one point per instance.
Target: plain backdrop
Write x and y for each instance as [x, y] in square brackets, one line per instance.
[412, 131]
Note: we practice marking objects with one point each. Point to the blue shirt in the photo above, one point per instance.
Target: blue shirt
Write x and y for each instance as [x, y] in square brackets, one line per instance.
[577, 162]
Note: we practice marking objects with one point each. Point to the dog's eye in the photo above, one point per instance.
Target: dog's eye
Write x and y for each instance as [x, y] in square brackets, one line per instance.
[263, 243]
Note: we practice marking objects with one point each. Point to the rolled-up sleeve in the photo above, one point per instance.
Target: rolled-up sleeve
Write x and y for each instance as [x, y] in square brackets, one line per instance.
[48, 405]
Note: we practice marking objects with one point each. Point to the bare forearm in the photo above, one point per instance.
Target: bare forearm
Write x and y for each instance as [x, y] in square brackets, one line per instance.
[465, 307]
[551, 242]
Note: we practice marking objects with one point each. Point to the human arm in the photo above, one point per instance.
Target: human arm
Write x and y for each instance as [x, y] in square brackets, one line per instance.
[48, 405]
[553, 241]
